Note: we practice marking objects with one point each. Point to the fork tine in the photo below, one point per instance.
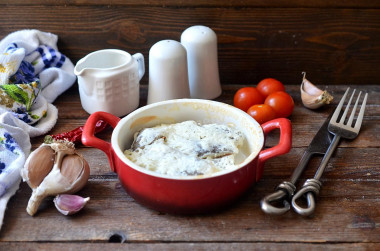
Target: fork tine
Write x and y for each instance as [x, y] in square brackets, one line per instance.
[334, 117]
[359, 120]
[349, 123]
[343, 118]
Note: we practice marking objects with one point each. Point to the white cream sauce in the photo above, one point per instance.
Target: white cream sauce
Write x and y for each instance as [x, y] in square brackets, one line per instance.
[186, 148]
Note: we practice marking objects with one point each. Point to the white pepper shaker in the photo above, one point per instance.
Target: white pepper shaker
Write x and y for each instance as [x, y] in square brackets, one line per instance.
[168, 77]
[202, 59]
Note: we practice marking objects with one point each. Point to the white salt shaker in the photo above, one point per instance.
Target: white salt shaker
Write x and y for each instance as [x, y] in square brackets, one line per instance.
[168, 77]
[202, 58]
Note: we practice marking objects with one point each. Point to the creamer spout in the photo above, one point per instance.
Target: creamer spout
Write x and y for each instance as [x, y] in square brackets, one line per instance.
[80, 67]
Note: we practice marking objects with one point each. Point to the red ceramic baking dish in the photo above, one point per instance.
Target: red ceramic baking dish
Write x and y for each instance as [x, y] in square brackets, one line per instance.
[187, 194]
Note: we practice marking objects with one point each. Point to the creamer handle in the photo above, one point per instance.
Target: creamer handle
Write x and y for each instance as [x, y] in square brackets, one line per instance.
[141, 65]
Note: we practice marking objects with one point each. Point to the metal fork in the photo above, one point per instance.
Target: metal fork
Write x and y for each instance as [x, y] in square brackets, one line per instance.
[340, 129]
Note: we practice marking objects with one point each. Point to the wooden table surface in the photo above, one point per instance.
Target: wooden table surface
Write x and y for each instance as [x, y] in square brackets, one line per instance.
[347, 213]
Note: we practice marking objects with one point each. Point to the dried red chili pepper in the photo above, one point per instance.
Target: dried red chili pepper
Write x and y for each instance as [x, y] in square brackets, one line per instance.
[76, 134]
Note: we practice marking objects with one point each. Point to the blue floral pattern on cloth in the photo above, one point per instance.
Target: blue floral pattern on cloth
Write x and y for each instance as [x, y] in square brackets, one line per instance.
[8, 146]
[24, 74]
[10, 153]
[2, 166]
[9, 142]
[23, 86]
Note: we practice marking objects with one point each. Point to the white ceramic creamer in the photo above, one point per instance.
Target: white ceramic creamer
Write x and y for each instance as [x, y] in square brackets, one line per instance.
[109, 81]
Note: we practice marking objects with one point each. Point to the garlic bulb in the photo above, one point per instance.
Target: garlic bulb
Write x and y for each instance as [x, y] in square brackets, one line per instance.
[69, 204]
[53, 169]
[311, 96]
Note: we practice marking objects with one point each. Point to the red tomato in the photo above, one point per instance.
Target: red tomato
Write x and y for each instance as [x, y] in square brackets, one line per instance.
[262, 113]
[268, 86]
[247, 97]
[281, 102]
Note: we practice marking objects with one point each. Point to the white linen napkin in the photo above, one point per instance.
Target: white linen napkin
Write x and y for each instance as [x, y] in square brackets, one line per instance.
[33, 73]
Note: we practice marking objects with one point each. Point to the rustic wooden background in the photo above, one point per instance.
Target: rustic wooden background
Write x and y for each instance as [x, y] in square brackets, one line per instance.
[347, 215]
[335, 42]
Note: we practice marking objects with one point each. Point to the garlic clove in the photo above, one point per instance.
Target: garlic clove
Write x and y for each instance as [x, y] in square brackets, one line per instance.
[38, 165]
[76, 170]
[311, 96]
[69, 204]
[73, 167]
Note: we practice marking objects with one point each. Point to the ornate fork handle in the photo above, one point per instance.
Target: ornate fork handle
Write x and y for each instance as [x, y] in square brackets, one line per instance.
[310, 189]
[283, 192]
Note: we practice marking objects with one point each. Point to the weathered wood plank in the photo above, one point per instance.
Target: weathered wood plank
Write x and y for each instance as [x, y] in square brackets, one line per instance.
[345, 164]
[350, 219]
[337, 46]
[208, 3]
[213, 246]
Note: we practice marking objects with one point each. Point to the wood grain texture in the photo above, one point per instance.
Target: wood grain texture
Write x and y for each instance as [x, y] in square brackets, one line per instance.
[206, 3]
[336, 42]
[347, 214]
[213, 246]
[334, 45]
[111, 211]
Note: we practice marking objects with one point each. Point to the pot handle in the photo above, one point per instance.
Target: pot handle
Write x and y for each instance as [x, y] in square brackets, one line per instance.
[284, 145]
[89, 139]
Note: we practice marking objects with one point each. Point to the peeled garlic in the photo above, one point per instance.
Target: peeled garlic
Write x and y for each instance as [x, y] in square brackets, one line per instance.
[69, 204]
[53, 169]
[311, 96]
